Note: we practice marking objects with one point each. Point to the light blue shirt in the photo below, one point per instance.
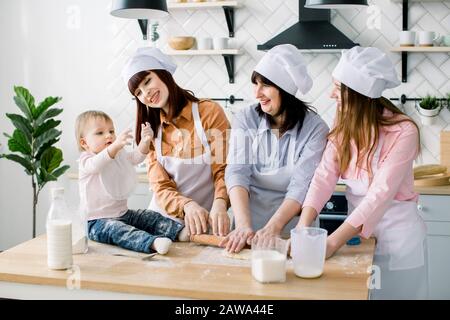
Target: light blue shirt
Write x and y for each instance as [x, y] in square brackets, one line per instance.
[309, 142]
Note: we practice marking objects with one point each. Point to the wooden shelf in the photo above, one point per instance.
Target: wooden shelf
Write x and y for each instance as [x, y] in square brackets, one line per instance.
[203, 52]
[228, 9]
[420, 49]
[405, 50]
[202, 5]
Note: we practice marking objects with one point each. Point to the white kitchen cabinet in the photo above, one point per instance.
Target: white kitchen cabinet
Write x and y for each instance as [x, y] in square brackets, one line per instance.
[435, 210]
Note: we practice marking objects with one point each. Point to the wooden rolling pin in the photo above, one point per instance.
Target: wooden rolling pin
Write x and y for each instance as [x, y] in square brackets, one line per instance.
[212, 240]
[209, 240]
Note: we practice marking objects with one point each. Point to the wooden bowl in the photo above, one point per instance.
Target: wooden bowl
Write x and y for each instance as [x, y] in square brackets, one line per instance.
[181, 43]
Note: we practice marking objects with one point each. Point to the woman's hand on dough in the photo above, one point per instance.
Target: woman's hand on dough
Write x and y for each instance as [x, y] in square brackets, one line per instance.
[331, 249]
[236, 240]
[195, 218]
[268, 231]
[219, 219]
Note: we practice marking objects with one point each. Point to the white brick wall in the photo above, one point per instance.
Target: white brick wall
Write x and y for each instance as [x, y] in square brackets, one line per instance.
[257, 21]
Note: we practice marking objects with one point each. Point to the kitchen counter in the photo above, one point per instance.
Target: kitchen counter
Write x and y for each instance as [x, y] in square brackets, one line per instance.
[439, 190]
[187, 271]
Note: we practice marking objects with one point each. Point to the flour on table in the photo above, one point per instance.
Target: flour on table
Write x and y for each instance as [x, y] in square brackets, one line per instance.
[216, 256]
[245, 254]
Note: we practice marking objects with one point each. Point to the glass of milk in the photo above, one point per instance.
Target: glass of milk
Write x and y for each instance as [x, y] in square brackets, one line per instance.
[269, 259]
[308, 248]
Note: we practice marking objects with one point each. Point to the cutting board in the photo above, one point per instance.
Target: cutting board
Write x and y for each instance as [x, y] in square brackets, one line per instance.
[440, 178]
[445, 148]
[435, 180]
[431, 175]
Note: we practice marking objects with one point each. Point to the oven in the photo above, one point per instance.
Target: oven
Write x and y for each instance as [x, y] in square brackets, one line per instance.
[334, 212]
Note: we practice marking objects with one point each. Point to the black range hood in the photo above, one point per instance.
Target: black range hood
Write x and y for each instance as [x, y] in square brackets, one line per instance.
[313, 31]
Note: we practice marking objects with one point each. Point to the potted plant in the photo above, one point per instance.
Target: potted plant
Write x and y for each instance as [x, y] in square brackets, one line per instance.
[33, 139]
[428, 108]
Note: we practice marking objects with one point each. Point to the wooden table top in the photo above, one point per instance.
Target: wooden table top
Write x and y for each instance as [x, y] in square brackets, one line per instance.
[188, 270]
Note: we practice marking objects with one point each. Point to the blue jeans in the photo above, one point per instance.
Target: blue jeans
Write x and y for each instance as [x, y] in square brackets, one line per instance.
[135, 230]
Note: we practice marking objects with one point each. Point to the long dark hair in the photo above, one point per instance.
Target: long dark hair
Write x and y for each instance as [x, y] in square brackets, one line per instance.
[178, 99]
[359, 121]
[294, 109]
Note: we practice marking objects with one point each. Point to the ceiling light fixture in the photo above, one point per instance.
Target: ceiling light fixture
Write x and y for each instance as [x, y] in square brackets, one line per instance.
[141, 10]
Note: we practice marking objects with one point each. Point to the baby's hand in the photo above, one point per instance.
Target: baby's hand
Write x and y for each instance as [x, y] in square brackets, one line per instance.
[146, 132]
[120, 142]
[123, 139]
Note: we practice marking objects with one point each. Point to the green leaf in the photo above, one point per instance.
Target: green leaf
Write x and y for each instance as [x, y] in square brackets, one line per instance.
[22, 161]
[44, 105]
[43, 177]
[60, 171]
[51, 159]
[7, 135]
[29, 99]
[22, 124]
[44, 147]
[25, 101]
[19, 143]
[46, 137]
[23, 106]
[47, 125]
[40, 177]
[50, 113]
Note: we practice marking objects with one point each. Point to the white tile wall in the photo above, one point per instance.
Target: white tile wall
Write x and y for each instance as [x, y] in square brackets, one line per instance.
[75, 49]
[258, 21]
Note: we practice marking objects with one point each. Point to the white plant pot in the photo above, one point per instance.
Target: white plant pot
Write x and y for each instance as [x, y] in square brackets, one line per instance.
[427, 117]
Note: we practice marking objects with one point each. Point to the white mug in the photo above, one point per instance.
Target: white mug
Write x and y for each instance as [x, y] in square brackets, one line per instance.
[426, 38]
[407, 38]
[220, 43]
[446, 40]
[204, 43]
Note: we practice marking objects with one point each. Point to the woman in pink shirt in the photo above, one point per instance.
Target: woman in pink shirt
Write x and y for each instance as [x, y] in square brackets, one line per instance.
[372, 147]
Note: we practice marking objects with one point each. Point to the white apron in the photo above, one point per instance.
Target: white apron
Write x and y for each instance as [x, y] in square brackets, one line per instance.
[400, 249]
[269, 186]
[193, 177]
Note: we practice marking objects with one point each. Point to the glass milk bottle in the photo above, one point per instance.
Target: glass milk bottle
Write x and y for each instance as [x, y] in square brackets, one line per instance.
[59, 232]
[79, 231]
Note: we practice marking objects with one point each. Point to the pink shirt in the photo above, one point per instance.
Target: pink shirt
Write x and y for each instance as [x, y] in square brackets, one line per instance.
[393, 180]
[93, 196]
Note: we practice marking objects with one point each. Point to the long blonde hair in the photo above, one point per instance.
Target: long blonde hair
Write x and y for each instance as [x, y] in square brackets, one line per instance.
[359, 122]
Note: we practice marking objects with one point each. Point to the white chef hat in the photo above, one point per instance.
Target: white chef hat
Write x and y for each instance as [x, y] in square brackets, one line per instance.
[145, 59]
[285, 67]
[366, 70]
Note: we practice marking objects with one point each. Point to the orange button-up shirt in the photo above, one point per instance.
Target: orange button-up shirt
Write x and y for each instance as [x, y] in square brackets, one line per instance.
[179, 139]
